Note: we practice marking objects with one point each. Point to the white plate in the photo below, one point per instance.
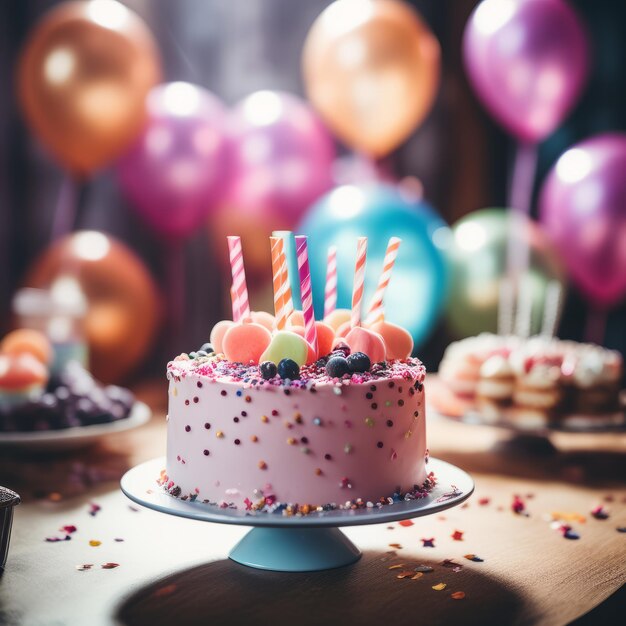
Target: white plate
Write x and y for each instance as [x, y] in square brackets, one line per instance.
[77, 436]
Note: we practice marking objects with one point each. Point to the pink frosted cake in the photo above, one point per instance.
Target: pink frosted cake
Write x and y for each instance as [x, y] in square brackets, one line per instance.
[234, 437]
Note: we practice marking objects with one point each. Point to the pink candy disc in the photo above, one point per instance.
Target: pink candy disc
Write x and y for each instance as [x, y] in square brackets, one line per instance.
[398, 340]
[363, 340]
[337, 318]
[295, 319]
[264, 318]
[217, 334]
[245, 343]
[325, 338]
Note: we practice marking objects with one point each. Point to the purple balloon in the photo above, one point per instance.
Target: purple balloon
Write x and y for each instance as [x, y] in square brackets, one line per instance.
[174, 173]
[528, 61]
[282, 157]
[583, 210]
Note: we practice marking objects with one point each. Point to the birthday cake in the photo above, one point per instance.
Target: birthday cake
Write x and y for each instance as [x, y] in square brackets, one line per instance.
[535, 382]
[287, 414]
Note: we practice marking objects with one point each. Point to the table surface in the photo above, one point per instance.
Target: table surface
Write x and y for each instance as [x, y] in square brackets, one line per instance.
[176, 571]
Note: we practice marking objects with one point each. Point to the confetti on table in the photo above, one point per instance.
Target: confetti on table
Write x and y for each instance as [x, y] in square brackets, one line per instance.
[84, 567]
[390, 527]
[68, 529]
[399, 566]
[621, 529]
[109, 565]
[118, 539]
[417, 576]
[565, 530]
[397, 546]
[567, 517]
[457, 595]
[94, 509]
[599, 512]
[423, 569]
[94, 543]
[134, 509]
[405, 574]
[428, 543]
[405, 522]
[55, 539]
[609, 497]
[451, 564]
[164, 591]
[473, 557]
[484, 502]
[457, 535]
[440, 587]
[518, 506]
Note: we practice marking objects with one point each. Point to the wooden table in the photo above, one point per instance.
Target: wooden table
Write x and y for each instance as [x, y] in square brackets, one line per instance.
[175, 571]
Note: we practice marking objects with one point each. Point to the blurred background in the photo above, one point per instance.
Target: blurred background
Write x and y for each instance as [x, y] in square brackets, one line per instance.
[169, 282]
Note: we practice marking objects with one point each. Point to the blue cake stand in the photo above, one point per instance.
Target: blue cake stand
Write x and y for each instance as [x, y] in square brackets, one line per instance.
[297, 544]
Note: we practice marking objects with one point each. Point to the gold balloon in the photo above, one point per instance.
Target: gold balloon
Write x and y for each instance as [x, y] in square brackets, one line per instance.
[124, 308]
[83, 78]
[371, 68]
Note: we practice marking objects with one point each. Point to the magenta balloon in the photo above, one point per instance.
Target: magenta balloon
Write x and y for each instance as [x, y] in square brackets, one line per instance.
[528, 61]
[174, 173]
[282, 156]
[583, 210]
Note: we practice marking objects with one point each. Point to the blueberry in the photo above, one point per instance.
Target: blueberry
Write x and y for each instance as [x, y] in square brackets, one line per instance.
[201, 353]
[268, 369]
[359, 362]
[321, 363]
[193, 355]
[288, 369]
[343, 348]
[206, 347]
[337, 366]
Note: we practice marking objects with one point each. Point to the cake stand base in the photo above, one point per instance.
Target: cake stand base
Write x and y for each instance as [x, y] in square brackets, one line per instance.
[295, 549]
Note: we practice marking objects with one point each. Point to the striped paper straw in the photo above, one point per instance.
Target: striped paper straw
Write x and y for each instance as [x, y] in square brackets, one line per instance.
[376, 311]
[235, 302]
[304, 271]
[278, 278]
[552, 308]
[359, 281]
[330, 291]
[239, 278]
[285, 285]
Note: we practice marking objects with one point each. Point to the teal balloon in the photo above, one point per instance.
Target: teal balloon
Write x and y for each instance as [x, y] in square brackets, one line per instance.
[417, 292]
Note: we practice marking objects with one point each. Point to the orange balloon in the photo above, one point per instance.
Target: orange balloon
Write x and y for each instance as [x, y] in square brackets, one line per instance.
[83, 78]
[371, 68]
[124, 307]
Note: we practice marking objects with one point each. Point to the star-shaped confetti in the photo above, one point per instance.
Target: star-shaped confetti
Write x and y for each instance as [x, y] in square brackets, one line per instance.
[405, 522]
[94, 509]
[518, 507]
[484, 502]
[440, 587]
[428, 543]
[473, 557]
[457, 535]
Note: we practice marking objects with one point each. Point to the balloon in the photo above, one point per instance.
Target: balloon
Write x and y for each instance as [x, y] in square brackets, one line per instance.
[417, 290]
[527, 62]
[583, 210]
[83, 78]
[124, 308]
[281, 163]
[477, 257]
[371, 68]
[174, 173]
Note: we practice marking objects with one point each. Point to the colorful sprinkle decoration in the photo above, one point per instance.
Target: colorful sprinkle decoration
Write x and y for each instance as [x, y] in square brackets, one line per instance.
[428, 543]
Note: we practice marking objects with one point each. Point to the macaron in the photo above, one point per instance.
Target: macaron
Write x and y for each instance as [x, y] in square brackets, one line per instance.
[286, 344]
[217, 335]
[325, 338]
[398, 341]
[264, 318]
[312, 354]
[27, 340]
[367, 341]
[245, 343]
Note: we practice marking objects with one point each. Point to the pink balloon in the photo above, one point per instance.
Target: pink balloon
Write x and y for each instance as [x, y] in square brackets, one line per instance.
[583, 210]
[528, 61]
[174, 173]
[282, 157]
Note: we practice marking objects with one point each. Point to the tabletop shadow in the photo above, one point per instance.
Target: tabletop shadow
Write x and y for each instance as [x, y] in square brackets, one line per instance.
[368, 592]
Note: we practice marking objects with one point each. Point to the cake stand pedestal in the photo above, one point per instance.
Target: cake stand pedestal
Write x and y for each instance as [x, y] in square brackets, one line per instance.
[297, 544]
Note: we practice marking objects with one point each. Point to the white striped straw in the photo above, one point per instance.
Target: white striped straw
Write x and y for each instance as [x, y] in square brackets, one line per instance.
[376, 310]
[239, 277]
[330, 292]
[552, 308]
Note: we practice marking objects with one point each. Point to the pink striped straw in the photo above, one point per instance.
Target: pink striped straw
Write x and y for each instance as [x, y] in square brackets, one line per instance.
[330, 292]
[310, 332]
[359, 281]
[376, 311]
[234, 302]
[239, 278]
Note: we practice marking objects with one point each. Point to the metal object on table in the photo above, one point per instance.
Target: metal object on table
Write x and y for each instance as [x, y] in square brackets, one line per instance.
[297, 544]
[8, 500]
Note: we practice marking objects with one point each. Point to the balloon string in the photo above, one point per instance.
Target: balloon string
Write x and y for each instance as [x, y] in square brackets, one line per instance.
[175, 285]
[66, 207]
[595, 329]
[520, 200]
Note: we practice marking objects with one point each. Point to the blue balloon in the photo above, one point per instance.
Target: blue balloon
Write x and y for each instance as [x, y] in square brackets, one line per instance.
[419, 283]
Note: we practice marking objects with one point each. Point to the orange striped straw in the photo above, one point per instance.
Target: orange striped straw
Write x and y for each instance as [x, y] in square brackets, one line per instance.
[277, 247]
[359, 281]
[239, 278]
[376, 312]
[285, 285]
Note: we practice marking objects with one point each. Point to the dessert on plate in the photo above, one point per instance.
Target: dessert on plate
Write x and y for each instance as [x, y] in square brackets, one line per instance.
[282, 414]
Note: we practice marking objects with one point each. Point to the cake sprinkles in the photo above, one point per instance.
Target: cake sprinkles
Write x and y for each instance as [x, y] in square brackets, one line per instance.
[304, 412]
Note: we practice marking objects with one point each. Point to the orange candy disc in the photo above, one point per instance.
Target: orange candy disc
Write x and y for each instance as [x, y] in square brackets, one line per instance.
[398, 341]
[30, 341]
[296, 319]
[217, 335]
[325, 338]
[363, 340]
[245, 343]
